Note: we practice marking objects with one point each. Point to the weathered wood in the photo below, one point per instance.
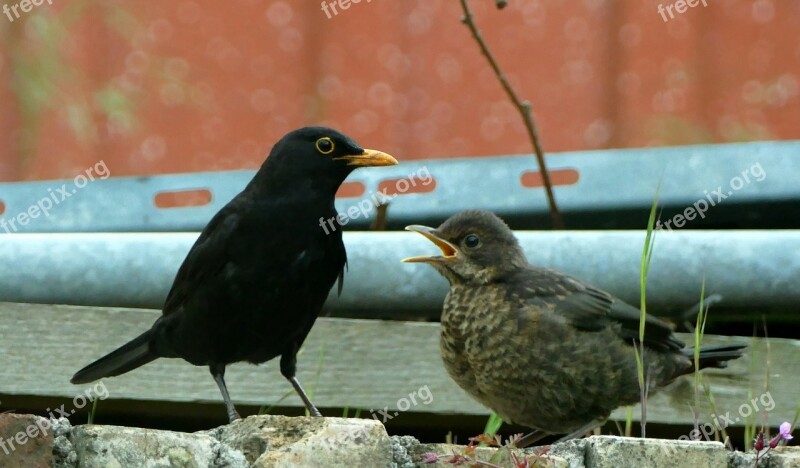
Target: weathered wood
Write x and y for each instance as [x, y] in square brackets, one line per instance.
[368, 364]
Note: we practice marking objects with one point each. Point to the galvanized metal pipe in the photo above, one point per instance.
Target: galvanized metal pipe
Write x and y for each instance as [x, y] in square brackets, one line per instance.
[594, 201]
[750, 269]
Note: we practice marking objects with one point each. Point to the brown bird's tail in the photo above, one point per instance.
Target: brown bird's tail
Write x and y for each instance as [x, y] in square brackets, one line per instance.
[716, 356]
[129, 356]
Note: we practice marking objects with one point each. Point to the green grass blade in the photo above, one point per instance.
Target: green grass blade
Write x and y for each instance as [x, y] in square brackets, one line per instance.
[712, 403]
[268, 409]
[647, 256]
[346, 412]
[493, 424]
[699, 330]
[628, 420]
[92, 411]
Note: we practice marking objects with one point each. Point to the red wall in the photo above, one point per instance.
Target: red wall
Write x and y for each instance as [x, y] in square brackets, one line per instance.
[175, 86]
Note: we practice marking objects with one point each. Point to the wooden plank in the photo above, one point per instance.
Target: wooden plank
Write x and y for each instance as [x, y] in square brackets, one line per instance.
[368, 364]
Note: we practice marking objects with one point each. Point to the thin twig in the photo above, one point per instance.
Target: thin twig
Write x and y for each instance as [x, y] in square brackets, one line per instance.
[379, 224]
[524, 108]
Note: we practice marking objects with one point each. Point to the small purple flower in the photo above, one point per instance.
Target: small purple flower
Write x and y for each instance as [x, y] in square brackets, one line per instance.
[785, 434]
[786, 431]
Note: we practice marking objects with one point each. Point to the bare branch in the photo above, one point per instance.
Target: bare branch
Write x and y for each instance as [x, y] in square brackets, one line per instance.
[524, 108]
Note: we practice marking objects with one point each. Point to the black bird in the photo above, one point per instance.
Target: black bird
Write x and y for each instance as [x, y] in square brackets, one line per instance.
[255, 280]
[538, 347]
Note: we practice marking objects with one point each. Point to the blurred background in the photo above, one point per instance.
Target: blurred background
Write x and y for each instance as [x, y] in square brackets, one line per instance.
[162, 87]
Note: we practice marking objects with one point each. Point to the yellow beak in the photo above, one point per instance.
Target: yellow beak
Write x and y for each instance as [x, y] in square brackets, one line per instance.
[368, 158]
[449, 251]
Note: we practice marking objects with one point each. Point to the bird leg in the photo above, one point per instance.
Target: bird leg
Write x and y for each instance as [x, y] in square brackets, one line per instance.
[218, 372]
[537, 435]
[531, 438]
[310, 406]
[581, 431]
[687, 318]
[288, 368]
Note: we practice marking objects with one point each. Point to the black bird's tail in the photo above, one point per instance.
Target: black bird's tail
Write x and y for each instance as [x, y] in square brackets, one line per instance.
[127, 357]
[716, 356]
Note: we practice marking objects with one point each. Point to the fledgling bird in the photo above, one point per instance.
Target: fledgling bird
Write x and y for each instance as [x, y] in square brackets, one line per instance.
[255, 280]
[538, 347]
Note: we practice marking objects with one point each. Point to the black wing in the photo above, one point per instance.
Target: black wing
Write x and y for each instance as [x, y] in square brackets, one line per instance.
[206, 257]
[252, 248]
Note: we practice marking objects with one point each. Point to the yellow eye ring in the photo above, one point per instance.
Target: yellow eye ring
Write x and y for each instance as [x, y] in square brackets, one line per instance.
[325, 145]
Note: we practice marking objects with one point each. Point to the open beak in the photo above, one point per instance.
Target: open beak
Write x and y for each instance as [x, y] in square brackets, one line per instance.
[449, 251]
[368, 158]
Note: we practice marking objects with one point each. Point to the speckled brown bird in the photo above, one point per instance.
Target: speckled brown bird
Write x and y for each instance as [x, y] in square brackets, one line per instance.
[538, 347]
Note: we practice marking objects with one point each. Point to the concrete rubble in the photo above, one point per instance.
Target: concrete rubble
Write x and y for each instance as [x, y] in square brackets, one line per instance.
[280, 441]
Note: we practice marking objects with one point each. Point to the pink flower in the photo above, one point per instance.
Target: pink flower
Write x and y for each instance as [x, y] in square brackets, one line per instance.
[785, 434]
[786, 431]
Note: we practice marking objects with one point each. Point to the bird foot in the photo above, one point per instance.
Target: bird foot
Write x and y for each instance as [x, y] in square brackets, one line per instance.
[233, 417]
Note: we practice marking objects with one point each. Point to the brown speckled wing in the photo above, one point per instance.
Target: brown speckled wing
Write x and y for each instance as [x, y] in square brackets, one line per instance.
[590, 309]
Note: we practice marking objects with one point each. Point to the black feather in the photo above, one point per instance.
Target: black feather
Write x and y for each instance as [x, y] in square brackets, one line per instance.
[716, 356]
[127, 357]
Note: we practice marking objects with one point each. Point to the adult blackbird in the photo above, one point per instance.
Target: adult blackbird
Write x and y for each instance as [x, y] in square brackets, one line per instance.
[255, 280]
[538, 347]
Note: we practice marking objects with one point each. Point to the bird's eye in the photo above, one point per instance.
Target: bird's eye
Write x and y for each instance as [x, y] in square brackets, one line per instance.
[472, 241]
[325, 145]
